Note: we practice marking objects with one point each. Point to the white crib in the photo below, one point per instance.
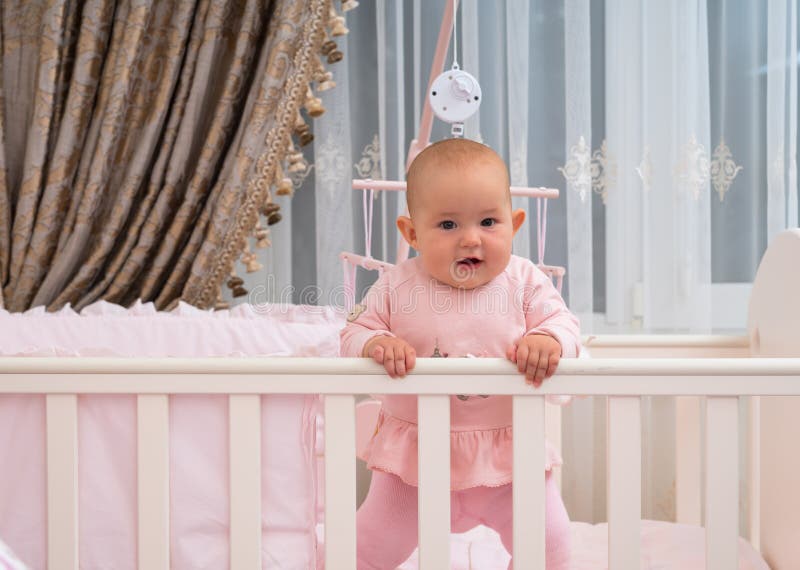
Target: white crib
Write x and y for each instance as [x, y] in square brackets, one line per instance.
[720, 370]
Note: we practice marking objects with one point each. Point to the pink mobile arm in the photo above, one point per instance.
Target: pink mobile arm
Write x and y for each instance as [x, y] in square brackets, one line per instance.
[426, 121]
[362, 184]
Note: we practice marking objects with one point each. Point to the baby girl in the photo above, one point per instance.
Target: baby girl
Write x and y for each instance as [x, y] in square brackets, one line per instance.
[464, 295]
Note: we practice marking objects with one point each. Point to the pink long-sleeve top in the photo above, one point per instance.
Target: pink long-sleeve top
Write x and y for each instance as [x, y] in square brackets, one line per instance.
[439, 320]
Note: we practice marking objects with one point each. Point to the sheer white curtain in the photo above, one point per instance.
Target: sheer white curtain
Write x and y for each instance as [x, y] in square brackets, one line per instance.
[670, 128]
[781, 116]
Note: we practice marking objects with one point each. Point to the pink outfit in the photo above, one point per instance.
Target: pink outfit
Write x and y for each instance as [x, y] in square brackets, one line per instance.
[387, 529]
[438, 320]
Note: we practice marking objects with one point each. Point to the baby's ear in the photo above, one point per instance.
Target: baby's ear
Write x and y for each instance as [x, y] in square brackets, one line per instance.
[406, 227]
[517, 218]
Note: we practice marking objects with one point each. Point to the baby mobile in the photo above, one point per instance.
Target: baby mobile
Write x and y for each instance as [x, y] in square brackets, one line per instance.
[454, 96]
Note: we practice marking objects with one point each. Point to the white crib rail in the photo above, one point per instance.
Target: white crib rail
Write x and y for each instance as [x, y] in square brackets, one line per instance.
[723, 380]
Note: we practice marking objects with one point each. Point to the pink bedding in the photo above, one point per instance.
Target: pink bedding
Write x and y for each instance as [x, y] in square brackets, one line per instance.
[664, 546]
[198, 435]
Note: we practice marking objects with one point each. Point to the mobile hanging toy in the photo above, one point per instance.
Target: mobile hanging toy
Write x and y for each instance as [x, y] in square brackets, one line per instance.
[455, 95]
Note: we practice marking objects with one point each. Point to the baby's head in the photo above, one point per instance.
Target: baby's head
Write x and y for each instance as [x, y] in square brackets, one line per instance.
[460, 220]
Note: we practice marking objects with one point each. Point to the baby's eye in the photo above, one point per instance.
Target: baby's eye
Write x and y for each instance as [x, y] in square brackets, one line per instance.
[447, 225]
[488, 222]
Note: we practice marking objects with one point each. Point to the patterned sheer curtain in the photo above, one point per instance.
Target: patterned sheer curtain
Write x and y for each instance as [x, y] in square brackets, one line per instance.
[670, 128]
[139, 142]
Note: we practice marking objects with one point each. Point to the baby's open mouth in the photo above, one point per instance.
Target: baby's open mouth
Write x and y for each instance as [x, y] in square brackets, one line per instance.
[472, 262]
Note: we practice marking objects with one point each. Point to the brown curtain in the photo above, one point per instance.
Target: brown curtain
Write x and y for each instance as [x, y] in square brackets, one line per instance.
[139, 140]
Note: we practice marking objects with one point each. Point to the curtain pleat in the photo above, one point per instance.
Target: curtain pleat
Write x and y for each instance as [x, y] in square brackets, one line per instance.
[141, 139]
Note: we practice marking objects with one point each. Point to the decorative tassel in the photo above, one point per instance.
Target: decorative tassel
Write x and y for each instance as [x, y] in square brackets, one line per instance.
[330, 49]
[235, 281]
[220, 304]
[302, 130]
[348, 5]
[325, 81]
[338, 28]
[284, 185]
[251, 262]
[262, 235]
[235, 285]
[253, 265]
[335, 56]
[271, 212]
[336, 23]
[313, 104]
[323, 78]
[297, 163]
[269, 208]
[328, 46]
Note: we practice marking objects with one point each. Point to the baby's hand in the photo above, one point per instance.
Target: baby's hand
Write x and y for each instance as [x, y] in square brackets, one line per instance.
[395, 354]
[536, 356]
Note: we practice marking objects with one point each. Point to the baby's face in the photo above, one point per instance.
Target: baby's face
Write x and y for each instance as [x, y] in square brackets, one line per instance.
[463, 225]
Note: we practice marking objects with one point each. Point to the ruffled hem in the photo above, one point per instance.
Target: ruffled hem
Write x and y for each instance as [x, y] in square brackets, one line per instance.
[283, 312]
[105, 329]
[480, 458]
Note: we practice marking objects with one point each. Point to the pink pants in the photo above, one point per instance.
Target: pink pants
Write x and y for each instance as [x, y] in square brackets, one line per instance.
[387, 521]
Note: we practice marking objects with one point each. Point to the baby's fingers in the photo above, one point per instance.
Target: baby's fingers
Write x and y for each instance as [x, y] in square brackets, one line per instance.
[531, 366]
[552, 364]
[540, 370]
[511, 353]
[387, 359]
[523, 353]
[400, 362]
[378, 354]
[411, 359]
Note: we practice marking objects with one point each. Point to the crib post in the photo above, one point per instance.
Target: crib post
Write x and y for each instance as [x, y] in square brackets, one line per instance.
[529, 454]
[687, 460]
[152, 412]
[434, 481]
[62, 481]
[244, 420]
[624, 482]
[552, 430]
[340, 482]
[722, 482]
[754, 472]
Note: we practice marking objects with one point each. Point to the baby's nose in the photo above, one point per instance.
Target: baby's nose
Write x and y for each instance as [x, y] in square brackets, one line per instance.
[470, 238]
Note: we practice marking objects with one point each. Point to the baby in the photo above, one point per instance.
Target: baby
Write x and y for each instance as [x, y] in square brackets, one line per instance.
[464, 295]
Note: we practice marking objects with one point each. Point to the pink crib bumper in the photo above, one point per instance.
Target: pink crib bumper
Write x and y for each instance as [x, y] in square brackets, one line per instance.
[198, 434]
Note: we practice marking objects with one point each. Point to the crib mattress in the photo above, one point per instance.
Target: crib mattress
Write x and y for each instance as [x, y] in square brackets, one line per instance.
[480, 549]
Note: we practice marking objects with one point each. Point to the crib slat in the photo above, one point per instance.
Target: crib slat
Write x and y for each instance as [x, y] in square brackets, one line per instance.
[62, 481]
[434, 482]
[244, 432]
[529, 455]
[340, 482]
[754, 473]
[152, 413]
[624, 481]
[552, 431]
[722, 482]
[687, 460]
